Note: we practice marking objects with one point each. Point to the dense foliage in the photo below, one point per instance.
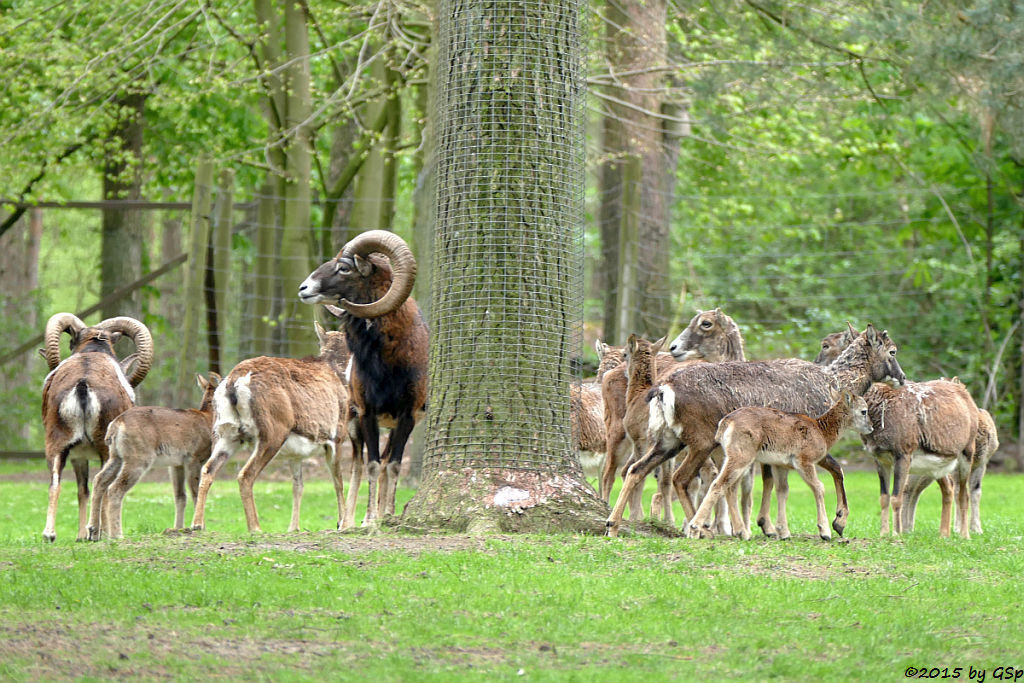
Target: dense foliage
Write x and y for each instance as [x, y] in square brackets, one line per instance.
[843, 161]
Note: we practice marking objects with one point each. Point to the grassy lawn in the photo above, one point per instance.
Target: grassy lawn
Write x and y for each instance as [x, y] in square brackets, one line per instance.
[321, 604]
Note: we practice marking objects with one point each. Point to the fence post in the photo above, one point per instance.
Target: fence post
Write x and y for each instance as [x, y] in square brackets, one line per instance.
[199, 234]
[627, 293]
[263, 264]
[222, 262]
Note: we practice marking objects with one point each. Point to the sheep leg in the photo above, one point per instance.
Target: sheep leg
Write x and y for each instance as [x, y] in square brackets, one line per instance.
[916, 484]
[975, 482]
[684, 474]
[55, 460]
[263, 452]
[733, 468]
[636, 499]
[665, 489]
[101, 485]
[127, 477]
[884, 476]
[806, 470]
[832, 466]
[221, 453]
[781, 502]
[372, 434]
[901, 469]
[81, 468]
[963, 495]
[177, 473]
[946, 487]
[747, 496]
[337, 478]
[355, 474]
[393, 454]
[615, 445]
[359, 465]
[635, 475]
[295, 465]
[764, 518]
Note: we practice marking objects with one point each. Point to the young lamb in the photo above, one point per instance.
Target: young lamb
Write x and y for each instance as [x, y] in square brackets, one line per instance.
[146, 436]
[279, 407]
[925, 428]
[985, 444]
[782, 439]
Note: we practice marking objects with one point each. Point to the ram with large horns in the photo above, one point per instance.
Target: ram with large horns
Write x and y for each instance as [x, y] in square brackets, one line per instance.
[370, 281]
[82, 394]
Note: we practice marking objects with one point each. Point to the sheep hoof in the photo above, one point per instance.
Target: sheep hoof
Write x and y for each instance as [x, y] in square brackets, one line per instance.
[49, 537]
[839, 525]
[198, 527]
[92, 533]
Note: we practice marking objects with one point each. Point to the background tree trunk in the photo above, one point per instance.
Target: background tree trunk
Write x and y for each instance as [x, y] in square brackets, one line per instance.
[508, 258]
[122, 229]
[19, 305]
[636, 51]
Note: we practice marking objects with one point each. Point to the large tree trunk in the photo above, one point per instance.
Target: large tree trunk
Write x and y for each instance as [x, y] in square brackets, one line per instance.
[19, 307]
[636, 40]
[122, 230]
[506, 304]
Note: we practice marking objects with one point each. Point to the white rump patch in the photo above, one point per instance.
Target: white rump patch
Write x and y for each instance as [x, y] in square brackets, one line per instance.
[661, 411]
[70, 411]
[507, 495]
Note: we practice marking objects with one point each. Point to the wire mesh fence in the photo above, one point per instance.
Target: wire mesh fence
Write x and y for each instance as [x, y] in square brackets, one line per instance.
[507, 286]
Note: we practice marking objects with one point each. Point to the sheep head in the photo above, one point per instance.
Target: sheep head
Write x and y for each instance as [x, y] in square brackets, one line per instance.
[374, 262]
[99, 338]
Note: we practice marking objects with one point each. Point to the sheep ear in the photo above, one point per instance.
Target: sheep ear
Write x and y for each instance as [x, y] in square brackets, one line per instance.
[656, 346]
[214, 379]
[363, 265]
[872, 334]
[321, 334]
[631, 343]
[601, 348]
[201, 382]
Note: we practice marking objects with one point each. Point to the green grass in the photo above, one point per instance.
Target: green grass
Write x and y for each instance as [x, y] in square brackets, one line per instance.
[351, 606]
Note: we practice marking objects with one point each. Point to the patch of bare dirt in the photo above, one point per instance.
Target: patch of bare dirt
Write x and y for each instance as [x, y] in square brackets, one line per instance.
[65, 651]
[352, 543]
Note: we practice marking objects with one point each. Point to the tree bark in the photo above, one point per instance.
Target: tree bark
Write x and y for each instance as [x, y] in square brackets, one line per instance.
[19, 305]
[637, 41]
[122, 229]
[508, 256]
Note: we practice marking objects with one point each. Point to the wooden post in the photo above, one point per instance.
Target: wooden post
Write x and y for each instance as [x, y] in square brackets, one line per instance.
[627, 294]
[264, 262]
[222, 261]
[199, 234]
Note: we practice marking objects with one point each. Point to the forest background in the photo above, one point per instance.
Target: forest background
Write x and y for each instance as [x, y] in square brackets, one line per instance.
[798, 164]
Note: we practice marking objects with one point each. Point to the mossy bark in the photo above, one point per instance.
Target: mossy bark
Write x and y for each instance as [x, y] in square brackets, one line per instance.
[506, 306]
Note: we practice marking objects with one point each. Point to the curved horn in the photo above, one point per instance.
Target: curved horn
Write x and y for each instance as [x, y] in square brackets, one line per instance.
[143, 343]
[58, 324]
[403, 269]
